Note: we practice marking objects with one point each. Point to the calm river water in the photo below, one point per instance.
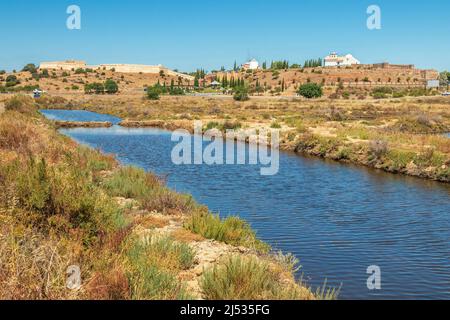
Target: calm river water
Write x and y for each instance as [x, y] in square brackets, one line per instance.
[337, 219]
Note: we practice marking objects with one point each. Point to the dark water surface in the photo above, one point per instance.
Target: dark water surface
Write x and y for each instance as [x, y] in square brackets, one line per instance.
[79, 115]
[337, 219]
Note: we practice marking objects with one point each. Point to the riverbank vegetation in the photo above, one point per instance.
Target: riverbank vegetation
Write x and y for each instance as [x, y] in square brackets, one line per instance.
[411, 129]
[62, 204]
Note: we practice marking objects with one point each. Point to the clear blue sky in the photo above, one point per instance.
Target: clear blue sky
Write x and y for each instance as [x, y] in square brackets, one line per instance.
[191, 34]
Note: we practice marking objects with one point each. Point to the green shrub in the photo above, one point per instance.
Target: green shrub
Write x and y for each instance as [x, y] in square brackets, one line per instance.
[241, 94]
[68, 192]
[97, 88]
[153, 93]
[21, 103]
[151, 269]
[275, 125]
[111, 86]
[379, 95]
[166, 201]
[31, 67]
[11, 81]
[247, 278]
[131, 182]
[231, 230]
[310, 90]
[212, 125]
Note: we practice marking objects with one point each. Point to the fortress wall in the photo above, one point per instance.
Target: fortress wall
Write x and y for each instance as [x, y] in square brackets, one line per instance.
[64, 65]
[123, 68]
[132, 68]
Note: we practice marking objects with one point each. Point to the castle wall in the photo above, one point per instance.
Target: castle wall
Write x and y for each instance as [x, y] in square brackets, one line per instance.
[63, 65]
[123, 68]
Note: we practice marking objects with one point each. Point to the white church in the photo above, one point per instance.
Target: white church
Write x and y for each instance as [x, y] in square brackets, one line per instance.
[333, 60]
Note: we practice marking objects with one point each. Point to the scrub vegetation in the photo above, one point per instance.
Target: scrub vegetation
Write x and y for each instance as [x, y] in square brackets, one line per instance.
[62, 204]
[411, 129]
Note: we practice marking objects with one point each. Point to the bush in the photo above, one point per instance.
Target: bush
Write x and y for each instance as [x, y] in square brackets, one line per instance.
[246, 278]
[152, 264]
[231, 230]
[275, 125]
[377, 149]
[111, 86]
[310, 90]
[241, 94]
[12, 81]
[131, 182]
[80, 71]
[21, 103]
[31, 67]
[67, 192]
[153, 93]
[95, 87]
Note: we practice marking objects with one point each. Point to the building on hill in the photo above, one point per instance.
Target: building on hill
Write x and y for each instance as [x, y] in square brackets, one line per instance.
[123, 68]
[251, 65]
[333, 60]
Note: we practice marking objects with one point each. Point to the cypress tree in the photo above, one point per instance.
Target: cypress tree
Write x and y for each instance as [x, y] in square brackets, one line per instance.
[196, 84]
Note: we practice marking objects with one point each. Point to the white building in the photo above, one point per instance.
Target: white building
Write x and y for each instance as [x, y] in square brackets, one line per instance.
[251, 65]
[333, 60]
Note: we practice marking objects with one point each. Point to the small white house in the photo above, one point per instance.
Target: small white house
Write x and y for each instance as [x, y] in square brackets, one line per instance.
[333, 60]
[251, 65]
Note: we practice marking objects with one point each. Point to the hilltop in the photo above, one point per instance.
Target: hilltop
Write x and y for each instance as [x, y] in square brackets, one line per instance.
[71, 77]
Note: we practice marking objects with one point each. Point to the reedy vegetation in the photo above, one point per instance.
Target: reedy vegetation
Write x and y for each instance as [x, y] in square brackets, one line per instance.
[58, 208]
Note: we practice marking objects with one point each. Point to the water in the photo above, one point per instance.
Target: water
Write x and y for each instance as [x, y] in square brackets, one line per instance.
[79, 115]
[337, 219]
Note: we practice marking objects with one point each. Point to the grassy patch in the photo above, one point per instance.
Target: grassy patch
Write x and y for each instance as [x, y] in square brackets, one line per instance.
[246, 278]
[231, 230]
[152, 194]
[152, 265]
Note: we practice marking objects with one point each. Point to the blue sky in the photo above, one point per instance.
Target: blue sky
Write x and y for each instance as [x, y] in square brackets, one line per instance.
[191, 34]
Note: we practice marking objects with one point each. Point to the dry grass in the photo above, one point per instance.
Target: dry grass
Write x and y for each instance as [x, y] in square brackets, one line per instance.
[152, 222]
[58, 208]
[186, 236]
[247, 278]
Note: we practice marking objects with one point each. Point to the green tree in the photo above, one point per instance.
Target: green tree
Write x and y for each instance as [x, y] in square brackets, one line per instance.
[111, 86]
[310, 90]
[241, 94]
[44, 73]
[196, 83]
[12, 81]
[97, 88]
[153, 93]
[444, 79]
[31, 68]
